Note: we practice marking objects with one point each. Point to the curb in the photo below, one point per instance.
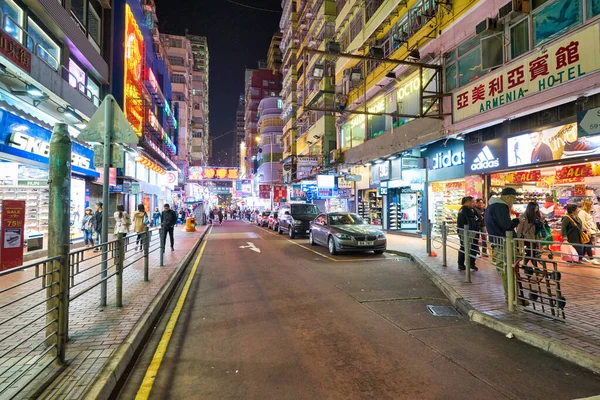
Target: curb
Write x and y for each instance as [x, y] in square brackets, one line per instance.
[113, 370]
[552, 346]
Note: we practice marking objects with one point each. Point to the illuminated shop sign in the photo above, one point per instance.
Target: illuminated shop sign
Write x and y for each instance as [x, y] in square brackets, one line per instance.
[409, 88]
[23, 139]
[134, 55]
[486, 156]
[561, 62]
[213, 173]
[450, 158]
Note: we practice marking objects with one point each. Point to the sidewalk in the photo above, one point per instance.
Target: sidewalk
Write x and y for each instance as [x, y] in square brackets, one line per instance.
[580, 329]
[96, 332]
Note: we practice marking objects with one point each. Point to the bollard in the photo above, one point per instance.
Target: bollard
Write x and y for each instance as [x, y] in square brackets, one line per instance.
[119, 259]
[428, 238]
[59, 182]
[444, 243]
[508, 270]
[162, 245]
[467, 248]
[146, 244]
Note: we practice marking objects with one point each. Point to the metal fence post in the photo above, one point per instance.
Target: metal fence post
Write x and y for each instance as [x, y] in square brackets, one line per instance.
[444, 243]
[467, 250]
[163, 239]
[428, 238]
[119, 266]
[509, 276]
[59, 182]
[146, 244]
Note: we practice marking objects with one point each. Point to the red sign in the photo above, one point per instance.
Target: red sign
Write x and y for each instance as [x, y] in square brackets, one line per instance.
[575, 171]
[12, 234]
[279, 193]
[524, 176]
[13, 50]
[579, 190]
[146, 202]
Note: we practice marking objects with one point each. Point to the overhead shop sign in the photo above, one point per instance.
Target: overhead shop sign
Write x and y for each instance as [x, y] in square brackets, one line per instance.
[213, 173]
[14, 51]
[28, 142]
[558, 63]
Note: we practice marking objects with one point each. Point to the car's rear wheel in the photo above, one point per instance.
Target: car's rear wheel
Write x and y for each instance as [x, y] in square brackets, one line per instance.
[310, 239]
[331, 244]
[279, 230]
[291, 233]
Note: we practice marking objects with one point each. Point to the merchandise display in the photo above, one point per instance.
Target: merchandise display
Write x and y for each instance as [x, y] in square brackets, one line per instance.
[444, 203]
[370, 207]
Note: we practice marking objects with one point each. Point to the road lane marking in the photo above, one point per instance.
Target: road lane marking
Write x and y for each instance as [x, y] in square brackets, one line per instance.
[314, 251]
[152, 371]
[251, 246]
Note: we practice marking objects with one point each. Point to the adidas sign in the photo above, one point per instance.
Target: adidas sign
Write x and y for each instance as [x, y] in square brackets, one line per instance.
[485, 160]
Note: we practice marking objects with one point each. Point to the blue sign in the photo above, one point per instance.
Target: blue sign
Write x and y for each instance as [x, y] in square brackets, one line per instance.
[116, 189]
[28, 142]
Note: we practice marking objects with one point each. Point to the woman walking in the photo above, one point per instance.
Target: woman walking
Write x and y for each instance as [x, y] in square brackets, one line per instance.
[589, 226]
[527, 230]
[140, 221]
[572, 229]
[122, 220]
[87, 227]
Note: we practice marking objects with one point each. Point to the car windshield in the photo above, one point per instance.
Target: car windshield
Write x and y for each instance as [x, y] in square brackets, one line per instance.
[304, 209]
[266, 213]
[346, 219]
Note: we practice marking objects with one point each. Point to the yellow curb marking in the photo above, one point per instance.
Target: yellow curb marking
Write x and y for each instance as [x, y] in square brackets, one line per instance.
[152, 371]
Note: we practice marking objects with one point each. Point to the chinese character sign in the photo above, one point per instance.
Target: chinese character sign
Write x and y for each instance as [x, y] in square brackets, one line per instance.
[134, 59]
[13, 50]
[12, 234]
[279, 193]
[561, 62]
[213, 173]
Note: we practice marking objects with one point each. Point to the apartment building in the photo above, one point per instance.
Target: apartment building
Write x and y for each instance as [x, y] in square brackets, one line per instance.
[274, 54]
[201, 149]
[239, 131]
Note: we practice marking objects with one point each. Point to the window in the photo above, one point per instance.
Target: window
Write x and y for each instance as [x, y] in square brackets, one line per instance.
[76, 76]
[178, 96]
[266, 140]
[94, 25]
[196, 106]
[46, 48]
[14, 16]
[178, 78]
[450, 76]
[78, 10]
[356, 25]
[593, 8]
[555, 18]
[93, 91]
[492, 55]
[469, 67]
[278, 140]
[175, 43]
[176, 60]
[416, 18]
[265, 83]
[519, 38]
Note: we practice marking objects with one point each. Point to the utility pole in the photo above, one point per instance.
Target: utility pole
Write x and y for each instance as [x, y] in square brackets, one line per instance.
[108, 134]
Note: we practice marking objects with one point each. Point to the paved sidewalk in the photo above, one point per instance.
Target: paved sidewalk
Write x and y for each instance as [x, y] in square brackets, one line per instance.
[95, 331]
[581, 329]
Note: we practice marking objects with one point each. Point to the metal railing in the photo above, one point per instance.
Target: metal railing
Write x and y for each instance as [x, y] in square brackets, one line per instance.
[35, 304]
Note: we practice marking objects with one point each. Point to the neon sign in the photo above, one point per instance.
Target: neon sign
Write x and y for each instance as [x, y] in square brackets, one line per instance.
[213, 173]
[134, 55]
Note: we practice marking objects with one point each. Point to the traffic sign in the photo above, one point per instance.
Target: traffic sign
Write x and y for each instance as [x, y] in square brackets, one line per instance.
[122, 130]
[588, 122]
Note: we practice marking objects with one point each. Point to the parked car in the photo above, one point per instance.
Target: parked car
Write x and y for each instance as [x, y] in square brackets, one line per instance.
[272, 221]
[295, 219]
[262, 218]
[342, 231]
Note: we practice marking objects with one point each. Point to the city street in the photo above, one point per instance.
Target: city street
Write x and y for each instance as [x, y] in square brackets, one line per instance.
[270, 318]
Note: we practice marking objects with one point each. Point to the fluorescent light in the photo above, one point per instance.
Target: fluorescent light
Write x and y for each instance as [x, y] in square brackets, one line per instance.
[379, 161]
[35, 93]
[368, 164]
[393, 157]
[70, 112]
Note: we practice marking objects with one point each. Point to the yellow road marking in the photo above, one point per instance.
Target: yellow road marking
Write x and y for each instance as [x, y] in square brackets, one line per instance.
[152, 371]
[311, 250]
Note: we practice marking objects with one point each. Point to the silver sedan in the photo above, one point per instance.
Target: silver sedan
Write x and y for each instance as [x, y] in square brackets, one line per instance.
[342, 231]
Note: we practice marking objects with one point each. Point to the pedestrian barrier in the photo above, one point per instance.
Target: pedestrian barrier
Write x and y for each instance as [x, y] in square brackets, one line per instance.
[34, 325]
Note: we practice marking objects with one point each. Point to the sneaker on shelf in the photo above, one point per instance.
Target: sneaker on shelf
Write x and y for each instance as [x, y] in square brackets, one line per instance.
[580, 147]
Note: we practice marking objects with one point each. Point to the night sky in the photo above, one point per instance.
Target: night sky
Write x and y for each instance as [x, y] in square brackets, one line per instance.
[237, 38]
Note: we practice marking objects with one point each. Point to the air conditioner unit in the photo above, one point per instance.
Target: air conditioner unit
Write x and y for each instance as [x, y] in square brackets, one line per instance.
[333, 47]
[488, 25]
[512, 10]
[376, 52]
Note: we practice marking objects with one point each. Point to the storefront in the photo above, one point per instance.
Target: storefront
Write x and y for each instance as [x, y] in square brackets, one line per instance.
[24, 152]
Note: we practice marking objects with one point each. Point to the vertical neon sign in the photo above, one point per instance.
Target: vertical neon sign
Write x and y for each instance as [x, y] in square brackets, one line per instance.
[134, 60]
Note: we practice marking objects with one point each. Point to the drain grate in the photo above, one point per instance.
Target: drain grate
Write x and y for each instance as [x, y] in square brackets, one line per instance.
[443, 311]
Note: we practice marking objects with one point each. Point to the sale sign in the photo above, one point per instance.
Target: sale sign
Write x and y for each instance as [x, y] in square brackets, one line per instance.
[579, 190]
[524, 176]
[575, 171]
[12, 234]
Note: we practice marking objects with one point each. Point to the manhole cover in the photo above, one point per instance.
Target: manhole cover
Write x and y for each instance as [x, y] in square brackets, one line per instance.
[442, 311]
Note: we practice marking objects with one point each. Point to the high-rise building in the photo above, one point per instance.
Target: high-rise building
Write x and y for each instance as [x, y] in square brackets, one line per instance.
[239, 130]
[274, 54]
[179, 54]
[201, 149]
[270, 128]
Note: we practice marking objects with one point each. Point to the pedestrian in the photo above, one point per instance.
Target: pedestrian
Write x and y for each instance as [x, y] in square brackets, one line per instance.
[587, 221]
[97, 224]
[479, 213]
[527, 232]
[156, 216]
[168, 220]
[220, 216]
[87, 227]
[497, 223]
[140, 221]
[467, 217]
[122, 220]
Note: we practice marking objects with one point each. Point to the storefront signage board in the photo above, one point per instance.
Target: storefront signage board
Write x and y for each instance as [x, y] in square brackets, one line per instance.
[588, 122]
[575, 171]
[279, 193]
[12, 234]
[559, 63]
[213, 173]
[325, 193]
[14, 51]
[447, 159]
[579, 190]
[343, 183]
[523, 176]
[27, 141]
[384, 170]
[485, 156]
[297, 193]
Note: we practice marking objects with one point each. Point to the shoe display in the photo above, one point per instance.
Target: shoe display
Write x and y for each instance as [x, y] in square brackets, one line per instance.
[580, 147]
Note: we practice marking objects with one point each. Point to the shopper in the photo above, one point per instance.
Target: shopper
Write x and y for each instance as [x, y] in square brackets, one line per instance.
[480, 212]
[122, 220]
[497, 223]
[168, 221]
[596, 213]
[97, 224]
[87, 227]
[571, 228]
[467, 217]
[156, 216]
[140, 222]
[587, 221]
[527, 232]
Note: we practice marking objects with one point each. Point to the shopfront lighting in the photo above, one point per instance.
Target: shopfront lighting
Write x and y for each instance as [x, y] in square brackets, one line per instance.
[368, 164]
[80, 125]
[379, 161]
[393, 157]
[356, 75]
[318, 71]
[71, 113]
[35, 93]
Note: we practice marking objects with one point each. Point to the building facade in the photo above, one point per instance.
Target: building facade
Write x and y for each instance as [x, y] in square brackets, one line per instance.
[274, 54]
[270, 129]
[201, 145]
[239, 131]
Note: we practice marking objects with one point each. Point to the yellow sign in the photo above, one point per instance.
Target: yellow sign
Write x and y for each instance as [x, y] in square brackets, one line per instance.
[561, 62]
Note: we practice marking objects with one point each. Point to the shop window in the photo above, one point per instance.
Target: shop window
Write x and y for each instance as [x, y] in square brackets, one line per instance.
[94, 25]
[555, 18]
[519, 38]
[14, 18]
[76, 76]
[450, 76]
[376, 125]
[492, 54]
[593, 8]
[78, 10]
[93, 91]
[469, 67]
[469, 45]
[45, 48]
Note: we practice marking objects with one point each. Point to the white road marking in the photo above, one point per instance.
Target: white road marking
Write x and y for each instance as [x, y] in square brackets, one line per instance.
[251, 246]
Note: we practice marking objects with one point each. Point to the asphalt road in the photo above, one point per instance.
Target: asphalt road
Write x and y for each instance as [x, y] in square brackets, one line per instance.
[288, 323]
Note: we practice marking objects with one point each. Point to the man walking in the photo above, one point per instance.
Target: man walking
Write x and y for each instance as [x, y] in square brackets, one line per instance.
[497, 223]
[466, 217]
[97, 224]
[168, 220]
[479, 213]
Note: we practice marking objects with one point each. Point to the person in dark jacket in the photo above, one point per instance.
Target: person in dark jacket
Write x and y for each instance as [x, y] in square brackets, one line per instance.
[479, 212]
[168, 220]
[497, 223]
[467, 217]
[97, 224]
[571, 228]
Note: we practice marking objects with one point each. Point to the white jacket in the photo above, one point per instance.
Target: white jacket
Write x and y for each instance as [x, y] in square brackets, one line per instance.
[596, 209]
[122, 224]
[587, 222]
